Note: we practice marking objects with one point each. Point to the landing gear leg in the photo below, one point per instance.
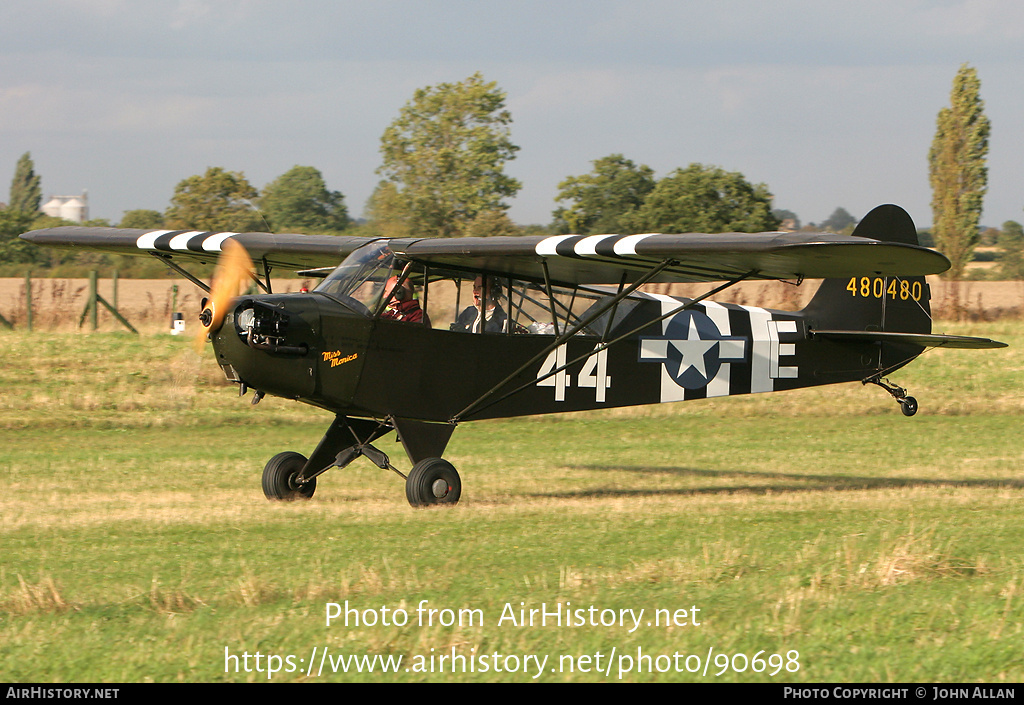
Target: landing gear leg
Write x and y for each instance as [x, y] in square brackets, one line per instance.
[291, 476]
[908, 404]
[432, 480]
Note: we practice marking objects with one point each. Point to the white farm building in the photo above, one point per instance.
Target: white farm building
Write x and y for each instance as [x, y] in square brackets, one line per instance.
[73, 208]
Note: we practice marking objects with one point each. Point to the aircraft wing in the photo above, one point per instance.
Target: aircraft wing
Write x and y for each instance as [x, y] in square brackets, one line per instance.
[280, 251]
[695, 257]
[569, 259]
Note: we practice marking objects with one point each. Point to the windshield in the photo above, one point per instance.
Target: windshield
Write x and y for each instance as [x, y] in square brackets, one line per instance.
[360, 278]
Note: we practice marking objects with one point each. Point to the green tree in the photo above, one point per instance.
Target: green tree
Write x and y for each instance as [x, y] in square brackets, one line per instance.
[989, 237]
[598, 201]
[299, 201]
[26, 193]
[217, 201]
[445, 154]
[1011, 245]
[783, 215]
[143, 219]
[957, 171]
[705, 199]
[839, 221]
[491, 224]
[14, 250]
[387, 213]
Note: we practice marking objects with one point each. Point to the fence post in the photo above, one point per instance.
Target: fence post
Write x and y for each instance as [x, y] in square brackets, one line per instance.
[95, 300]
[93, 318]
[28, 300]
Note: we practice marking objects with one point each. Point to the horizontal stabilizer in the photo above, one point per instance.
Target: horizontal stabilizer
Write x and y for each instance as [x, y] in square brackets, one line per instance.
[925, 340]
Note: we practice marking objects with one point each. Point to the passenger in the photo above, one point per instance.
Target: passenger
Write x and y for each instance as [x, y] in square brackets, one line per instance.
[496, 318]
[403, 306]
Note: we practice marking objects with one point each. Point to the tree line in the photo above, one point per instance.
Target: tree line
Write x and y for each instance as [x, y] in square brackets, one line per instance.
[443, 175]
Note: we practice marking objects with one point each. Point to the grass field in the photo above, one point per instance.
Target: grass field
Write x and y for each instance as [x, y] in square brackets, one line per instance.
[819, 531]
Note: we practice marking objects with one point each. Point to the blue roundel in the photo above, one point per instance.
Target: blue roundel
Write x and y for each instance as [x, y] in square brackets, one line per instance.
[693, 354]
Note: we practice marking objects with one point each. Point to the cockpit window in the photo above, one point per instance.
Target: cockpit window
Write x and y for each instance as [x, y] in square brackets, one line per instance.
[452, 300]
[517, 307]
[358, 282]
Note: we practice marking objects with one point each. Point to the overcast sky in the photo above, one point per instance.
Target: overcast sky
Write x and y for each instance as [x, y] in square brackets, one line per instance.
[830, 103]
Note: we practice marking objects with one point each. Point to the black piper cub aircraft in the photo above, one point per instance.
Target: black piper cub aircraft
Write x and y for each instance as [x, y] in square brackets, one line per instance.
[539, 325]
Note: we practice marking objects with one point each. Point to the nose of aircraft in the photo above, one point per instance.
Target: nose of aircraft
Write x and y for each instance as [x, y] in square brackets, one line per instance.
[269, 343]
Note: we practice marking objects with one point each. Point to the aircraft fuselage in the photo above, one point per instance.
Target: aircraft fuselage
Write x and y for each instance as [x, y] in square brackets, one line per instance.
[331, 357]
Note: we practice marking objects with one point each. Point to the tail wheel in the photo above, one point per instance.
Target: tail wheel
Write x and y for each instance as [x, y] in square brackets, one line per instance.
[433, 481]
[279, 478]
[909, 406]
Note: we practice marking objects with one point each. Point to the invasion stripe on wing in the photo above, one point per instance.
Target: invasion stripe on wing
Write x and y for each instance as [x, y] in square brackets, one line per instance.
[587, 247]
[627, 245]
[621, 245]
[213, 243]
[148, 241]
[192, 240]
[547, 245]
[180, 242]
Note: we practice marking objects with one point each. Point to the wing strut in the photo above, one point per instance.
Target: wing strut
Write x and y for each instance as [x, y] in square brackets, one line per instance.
[601, 346]
[266, 273]
[551, 297]
[178, 268]
[166, 259]
[611, 316]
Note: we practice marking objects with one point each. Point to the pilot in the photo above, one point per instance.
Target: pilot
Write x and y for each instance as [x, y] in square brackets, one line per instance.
[496, 318]
[402, 306]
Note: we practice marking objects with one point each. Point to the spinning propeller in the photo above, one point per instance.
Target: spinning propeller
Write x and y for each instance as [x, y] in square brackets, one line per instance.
[231, 277]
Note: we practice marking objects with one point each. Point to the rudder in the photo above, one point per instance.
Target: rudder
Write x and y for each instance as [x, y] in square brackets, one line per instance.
[875, 303]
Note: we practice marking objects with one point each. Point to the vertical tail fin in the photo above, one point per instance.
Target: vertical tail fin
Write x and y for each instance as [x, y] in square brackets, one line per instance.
[873, 303]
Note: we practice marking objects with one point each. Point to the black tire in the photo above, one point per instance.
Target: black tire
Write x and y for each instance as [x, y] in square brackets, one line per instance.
[909, 406]
[279, 478]
[433, 481]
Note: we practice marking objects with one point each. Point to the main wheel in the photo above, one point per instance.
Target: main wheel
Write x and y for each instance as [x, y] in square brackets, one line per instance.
[433, 481]
[909, 406]
[279, 477]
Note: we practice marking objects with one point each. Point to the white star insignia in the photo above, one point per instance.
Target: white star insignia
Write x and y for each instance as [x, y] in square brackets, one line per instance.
[693, 349]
